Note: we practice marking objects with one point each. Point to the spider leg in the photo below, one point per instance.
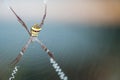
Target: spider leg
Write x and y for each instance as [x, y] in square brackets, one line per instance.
[44, 16]
[45, 49]
[17, 59]
[21, 21]
[55, 65]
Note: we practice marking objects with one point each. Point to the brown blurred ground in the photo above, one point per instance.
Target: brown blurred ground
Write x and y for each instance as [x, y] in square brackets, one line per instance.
[100, 11]
[88, 11]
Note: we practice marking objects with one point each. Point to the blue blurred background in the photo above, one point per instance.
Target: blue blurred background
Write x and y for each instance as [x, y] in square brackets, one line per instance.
[83, 52]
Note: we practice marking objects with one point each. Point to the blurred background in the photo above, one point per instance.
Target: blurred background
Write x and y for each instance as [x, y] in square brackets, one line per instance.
[83, 34]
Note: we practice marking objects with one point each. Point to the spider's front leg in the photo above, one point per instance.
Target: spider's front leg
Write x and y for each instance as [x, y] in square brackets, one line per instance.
[21, 21]
[17, 59]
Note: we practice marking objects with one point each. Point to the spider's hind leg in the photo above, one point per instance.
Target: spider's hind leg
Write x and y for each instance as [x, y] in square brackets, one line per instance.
[45, 49]
[17, 59]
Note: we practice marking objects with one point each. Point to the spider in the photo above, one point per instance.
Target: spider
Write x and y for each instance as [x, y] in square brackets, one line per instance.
[33, 33]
